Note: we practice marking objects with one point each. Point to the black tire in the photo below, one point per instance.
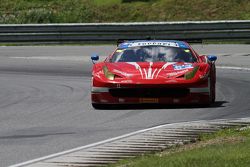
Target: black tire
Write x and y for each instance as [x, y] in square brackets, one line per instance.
[212, 94]
[98, 106]
[212, 84]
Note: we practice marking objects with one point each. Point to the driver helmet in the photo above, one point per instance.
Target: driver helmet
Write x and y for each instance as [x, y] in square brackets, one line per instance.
[170, 54]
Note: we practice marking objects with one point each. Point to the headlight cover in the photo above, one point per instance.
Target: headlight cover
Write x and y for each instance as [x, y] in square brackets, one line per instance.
[191, 74]
[109, 75]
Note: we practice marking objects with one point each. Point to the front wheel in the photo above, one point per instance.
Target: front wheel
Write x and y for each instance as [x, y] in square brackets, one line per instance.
[212, 92]
[212, 81]
[98, 106]
[211, 96]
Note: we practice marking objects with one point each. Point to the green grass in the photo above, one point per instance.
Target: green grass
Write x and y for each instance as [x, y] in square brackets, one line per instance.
[106, 2]
[227, 148]
[83, 11]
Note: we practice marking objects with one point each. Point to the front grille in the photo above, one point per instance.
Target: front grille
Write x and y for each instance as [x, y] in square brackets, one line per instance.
[149, 92]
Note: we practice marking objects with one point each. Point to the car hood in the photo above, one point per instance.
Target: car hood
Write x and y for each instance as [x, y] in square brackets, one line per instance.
[150, 70]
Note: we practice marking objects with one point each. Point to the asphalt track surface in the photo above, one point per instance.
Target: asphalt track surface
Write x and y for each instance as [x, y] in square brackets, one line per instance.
[45, 100]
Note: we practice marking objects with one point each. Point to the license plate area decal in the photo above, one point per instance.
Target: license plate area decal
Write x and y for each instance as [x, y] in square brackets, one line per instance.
[149, 100]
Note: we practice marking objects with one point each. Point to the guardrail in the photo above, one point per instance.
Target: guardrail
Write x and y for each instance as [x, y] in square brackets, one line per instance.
[63, 33]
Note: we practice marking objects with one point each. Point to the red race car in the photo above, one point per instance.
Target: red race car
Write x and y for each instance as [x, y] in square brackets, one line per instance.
[153, 71]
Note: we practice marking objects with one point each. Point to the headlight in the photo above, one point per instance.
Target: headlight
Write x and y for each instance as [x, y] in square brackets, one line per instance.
[108, 74]
[191, 74]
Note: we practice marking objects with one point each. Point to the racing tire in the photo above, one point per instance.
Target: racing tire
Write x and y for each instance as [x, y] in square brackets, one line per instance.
[212, 85]
[98, 106]
[212, 90]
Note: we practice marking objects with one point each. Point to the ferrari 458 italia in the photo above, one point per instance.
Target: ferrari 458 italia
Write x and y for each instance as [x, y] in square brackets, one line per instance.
[153, 71]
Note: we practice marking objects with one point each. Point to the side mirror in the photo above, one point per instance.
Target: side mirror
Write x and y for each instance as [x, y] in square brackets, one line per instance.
[94, 58]
[212, 58]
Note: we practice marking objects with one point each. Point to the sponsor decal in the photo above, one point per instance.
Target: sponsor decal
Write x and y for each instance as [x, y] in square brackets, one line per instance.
[149, 100]
[176, 73]
[183, 66]
[135, 44]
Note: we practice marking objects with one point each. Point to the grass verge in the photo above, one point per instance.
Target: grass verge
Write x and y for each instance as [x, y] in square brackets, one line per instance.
[83, 11]
[226, 148]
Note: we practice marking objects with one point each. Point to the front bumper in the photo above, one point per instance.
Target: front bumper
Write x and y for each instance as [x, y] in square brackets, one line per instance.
[104, 95]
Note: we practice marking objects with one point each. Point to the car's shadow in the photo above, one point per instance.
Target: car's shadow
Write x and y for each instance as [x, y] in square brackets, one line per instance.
[216, 104]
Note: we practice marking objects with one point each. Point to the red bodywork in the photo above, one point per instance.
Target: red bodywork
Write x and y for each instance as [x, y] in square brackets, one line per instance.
[154, 82]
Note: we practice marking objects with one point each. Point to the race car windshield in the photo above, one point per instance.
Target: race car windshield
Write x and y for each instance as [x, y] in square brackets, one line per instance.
[153, 54]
